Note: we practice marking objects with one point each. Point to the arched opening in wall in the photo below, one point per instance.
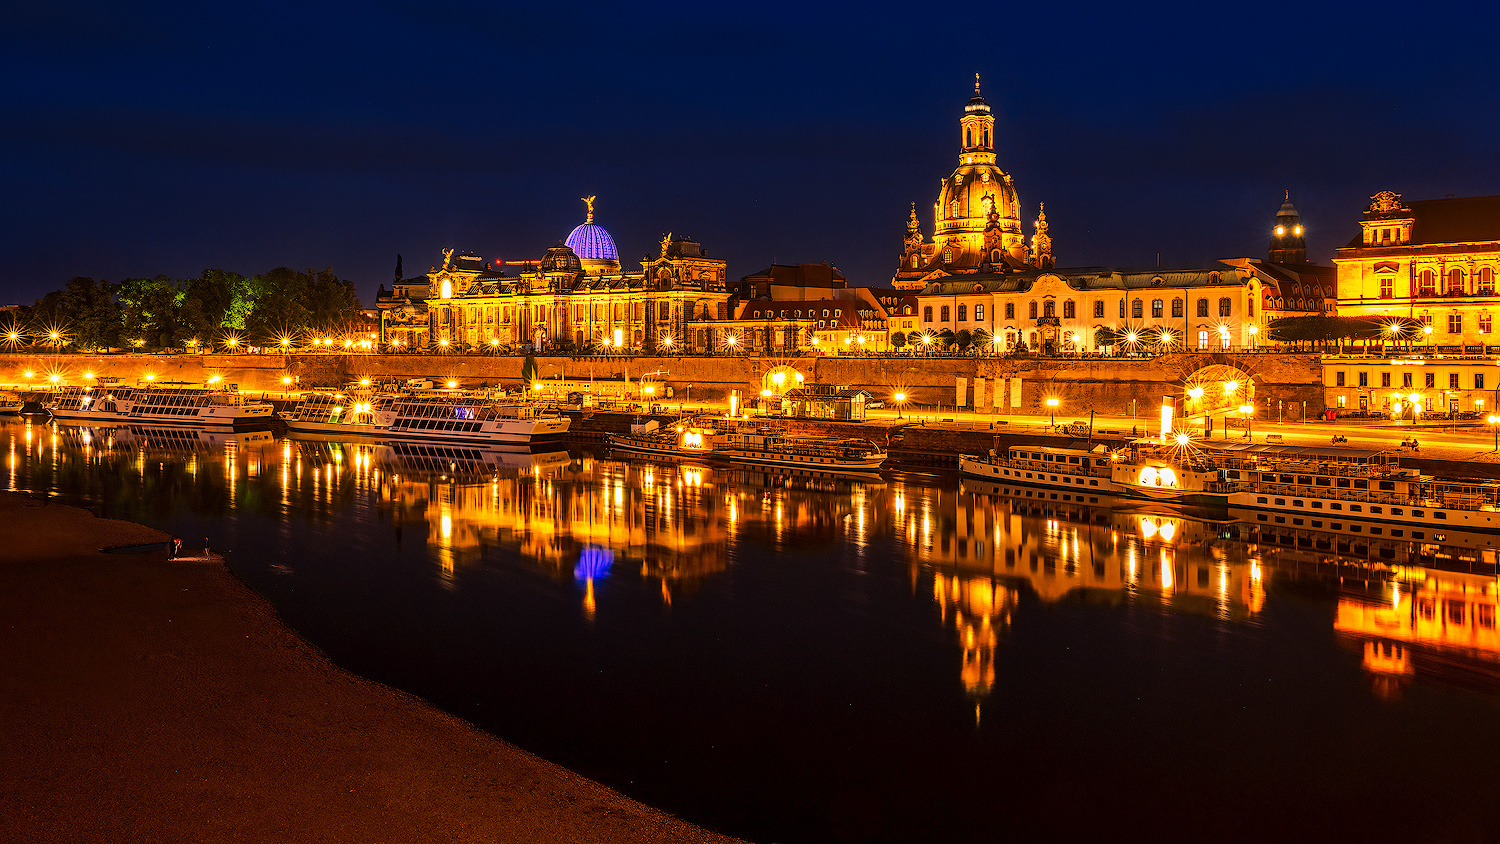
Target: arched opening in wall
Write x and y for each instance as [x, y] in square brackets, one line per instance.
[1217, 390]
[779, 379]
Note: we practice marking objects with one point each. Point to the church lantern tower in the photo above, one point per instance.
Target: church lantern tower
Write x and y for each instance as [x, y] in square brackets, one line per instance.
[976, 219]
[1288, 246]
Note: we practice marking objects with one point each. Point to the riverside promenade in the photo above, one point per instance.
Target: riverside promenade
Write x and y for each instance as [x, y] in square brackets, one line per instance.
[156, 700]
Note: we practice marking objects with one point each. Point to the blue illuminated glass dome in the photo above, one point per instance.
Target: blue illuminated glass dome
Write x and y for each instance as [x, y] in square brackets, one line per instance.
[590, 241]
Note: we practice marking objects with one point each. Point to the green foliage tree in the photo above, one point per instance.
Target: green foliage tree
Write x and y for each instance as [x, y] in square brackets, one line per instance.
[1317, 332]
[898, 340]
[945, 338]
[963, 339]
[96, 318]
[280, 306]
[1104, 336]
[152, 312]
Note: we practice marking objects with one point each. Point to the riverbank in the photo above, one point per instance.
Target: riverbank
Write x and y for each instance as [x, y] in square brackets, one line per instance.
[157, 700]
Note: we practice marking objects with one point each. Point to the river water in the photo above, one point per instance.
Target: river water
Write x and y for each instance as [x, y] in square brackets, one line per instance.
[909, 659]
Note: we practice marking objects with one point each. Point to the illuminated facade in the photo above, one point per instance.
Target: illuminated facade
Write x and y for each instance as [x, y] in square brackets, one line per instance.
[1064, 311]
[977, 217]
[1393, 385]
[575, 298]
[1431, 262]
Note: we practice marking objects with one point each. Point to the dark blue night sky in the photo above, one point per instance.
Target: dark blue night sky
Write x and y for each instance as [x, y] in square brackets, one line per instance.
[170, 137]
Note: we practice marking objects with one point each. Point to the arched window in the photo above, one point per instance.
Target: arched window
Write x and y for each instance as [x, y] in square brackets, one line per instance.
[1455, 282]
[979, 313]
[1070, 310]
[1225, 305]
[1032, 309]
[963, 313]
[946, 312]
[1202, 341]
[1425, 283]
[927, 313]
[1098, 309]
[1176, 307]
[1122, 309]
[1485, 283]
[1049, 308]
[1202, 307]
[1156, 308]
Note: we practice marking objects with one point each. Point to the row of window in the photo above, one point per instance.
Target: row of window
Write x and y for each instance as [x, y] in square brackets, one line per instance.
[1408, 379]
[1070, 311]
[1455, 283]
[1353, 508]
[1396, 533]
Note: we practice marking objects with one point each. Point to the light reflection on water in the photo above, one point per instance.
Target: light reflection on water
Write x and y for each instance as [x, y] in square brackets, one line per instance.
[797, 658]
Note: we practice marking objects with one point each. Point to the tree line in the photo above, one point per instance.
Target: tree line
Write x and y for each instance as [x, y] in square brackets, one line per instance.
[158, 314]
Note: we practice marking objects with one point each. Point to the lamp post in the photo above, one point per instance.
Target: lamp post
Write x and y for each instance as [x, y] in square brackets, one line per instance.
[1249, 411]
[900, 399]
[1495, 424]
[1254, 330]
[1052, 406]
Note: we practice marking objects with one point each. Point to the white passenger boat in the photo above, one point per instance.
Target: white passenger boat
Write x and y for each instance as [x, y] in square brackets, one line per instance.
[1175, 473]
[1071, 469]
[716, 438]
[471, 420]
[346, 414]
[192, 407]
[89, 405]
[1354, 491]
[10, 402]
[186, 407]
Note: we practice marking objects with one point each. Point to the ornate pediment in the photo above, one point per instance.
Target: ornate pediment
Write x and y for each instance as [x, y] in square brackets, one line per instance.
[1385, 202]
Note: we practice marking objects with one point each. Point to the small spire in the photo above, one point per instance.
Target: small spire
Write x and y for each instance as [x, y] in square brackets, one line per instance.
[1289, 195]
[976, 84]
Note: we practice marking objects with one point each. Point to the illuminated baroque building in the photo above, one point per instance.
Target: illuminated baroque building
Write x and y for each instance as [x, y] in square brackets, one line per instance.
[575, 297]
[1431, 261]
[978, 275]
[977, 217]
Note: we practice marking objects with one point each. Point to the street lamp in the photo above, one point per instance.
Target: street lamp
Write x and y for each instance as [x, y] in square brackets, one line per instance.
[1249, 411]
[1052, 407]
[1254, 330]
[900, 399]
[1495, 423]
[1416, 406]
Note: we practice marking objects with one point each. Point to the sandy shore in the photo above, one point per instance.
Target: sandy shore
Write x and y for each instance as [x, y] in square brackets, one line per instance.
[155, 700]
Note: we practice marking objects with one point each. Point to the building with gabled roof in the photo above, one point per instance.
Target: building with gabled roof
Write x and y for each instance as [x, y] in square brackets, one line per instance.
[1428, 261]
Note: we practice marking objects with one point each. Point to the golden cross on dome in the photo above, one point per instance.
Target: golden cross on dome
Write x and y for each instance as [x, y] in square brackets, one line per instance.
[589, 201]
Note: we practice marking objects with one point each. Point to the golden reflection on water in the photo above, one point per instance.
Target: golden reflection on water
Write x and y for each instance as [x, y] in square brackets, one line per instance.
[976, 551]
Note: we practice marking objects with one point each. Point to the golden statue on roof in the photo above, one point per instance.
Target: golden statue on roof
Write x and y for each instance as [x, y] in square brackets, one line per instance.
[665, 242]
[588, 201]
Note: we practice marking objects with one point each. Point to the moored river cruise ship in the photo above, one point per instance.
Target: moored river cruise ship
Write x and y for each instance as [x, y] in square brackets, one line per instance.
[717, 438]
[1354, 490]
[180, 407]
[343, 414]
[1074, 469]
[471, 420]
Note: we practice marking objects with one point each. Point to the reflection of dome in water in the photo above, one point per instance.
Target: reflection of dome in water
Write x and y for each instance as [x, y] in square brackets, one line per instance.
[591, 241]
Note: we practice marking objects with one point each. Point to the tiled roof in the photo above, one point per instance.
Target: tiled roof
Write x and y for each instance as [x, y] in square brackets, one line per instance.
[1469, 219]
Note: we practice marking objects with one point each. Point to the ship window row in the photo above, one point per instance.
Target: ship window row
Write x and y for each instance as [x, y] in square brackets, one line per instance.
[1396, 533]
[441, 425]
[156, 410]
